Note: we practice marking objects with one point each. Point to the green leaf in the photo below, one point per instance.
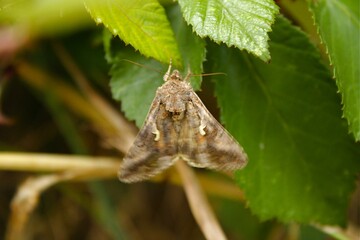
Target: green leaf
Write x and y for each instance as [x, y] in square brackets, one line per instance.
[191, 46]
[133, 85]
[143, 24]
[240, 23]
[287, 115]
[339, 27]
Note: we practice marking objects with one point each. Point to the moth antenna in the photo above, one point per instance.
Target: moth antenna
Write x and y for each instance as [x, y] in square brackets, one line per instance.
[209, 74]
[141, 65]
[189, 74]
[167, 74]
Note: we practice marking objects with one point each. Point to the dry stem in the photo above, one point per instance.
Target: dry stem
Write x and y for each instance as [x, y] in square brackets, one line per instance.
[199, 205]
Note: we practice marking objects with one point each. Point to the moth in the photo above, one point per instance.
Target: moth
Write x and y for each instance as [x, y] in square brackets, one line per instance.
[178, 126]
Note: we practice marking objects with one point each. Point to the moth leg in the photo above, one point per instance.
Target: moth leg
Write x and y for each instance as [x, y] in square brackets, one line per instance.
[167, 74]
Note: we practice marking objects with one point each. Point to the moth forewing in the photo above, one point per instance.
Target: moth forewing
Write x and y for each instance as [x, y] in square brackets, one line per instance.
[143, 159]
[219, 150]
[178, 126]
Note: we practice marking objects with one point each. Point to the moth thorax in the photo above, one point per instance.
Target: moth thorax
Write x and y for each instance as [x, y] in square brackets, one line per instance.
[175, 105]
[176, 116]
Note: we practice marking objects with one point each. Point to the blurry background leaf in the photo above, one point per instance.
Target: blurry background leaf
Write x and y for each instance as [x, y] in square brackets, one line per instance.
[243, 23]
[143, 24]
[339, 28]
[287, 115]
[44, 18]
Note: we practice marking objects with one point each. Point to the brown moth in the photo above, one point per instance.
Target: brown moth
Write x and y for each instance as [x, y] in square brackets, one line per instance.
[178, 126]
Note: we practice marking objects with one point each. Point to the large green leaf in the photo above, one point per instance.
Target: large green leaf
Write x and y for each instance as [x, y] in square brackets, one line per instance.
[287, 116]
[240, 23]
[143, 24]
[339, 26]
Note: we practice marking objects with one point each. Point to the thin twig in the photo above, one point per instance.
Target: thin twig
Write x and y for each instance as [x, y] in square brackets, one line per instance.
[101, 167]
[104, 167]
[199, 205]
[213, 185]
[335, 231]
[27, 197]
[39, 79]
[126, 132]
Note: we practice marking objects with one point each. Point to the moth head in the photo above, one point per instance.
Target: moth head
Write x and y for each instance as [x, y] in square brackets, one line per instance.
[175, 75]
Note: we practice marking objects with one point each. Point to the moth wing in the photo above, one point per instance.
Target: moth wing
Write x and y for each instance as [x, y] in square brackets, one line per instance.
[148, 156]
[211, 145]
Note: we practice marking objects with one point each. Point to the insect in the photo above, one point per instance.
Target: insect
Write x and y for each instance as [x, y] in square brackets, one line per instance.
[178, 126]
